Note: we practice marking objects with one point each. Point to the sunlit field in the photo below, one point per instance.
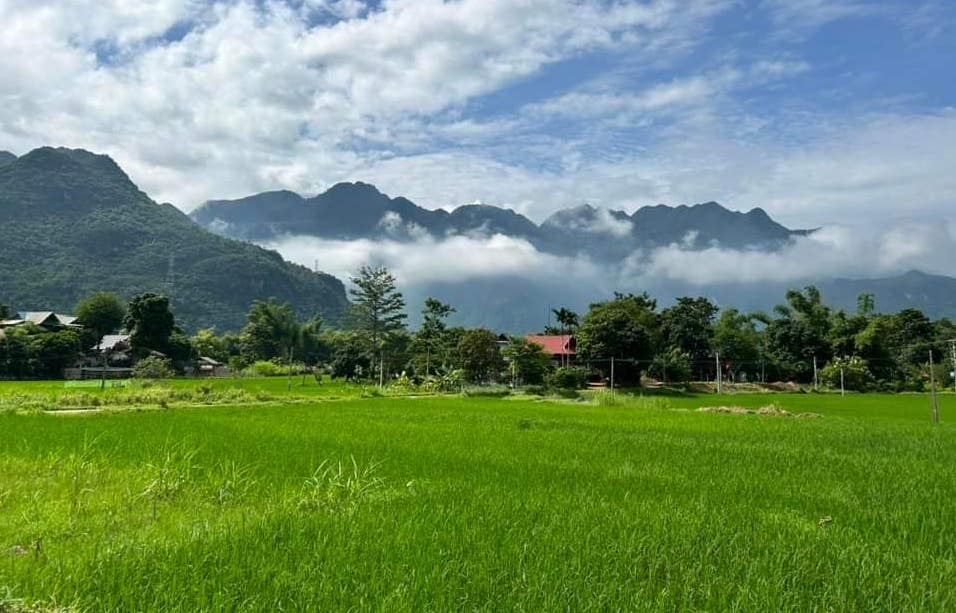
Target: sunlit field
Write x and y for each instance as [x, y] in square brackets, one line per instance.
[329, 497]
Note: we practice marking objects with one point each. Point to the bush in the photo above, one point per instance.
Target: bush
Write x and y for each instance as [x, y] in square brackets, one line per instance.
[856, 373]
[153, 367]
[568, 378]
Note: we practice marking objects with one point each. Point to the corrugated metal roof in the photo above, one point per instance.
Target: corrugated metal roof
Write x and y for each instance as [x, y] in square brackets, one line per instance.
[559, 344]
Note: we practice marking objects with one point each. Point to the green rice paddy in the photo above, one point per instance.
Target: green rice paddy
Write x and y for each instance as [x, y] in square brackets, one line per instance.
[334, 500]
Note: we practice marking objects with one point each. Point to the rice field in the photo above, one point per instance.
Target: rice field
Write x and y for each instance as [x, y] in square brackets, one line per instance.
[331, 498]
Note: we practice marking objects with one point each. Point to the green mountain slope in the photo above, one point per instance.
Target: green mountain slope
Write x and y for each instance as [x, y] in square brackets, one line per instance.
[75, 223]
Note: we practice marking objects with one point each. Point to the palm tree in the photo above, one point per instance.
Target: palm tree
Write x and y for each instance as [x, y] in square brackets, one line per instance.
[568, 320]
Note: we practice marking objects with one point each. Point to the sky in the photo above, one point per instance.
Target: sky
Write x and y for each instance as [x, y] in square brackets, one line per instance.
[820, 111]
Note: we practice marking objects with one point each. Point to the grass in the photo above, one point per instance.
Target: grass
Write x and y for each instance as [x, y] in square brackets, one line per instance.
[484, 503]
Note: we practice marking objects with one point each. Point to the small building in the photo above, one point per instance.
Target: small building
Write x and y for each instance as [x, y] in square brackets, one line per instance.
[48, 320]
[561, 347]
[208, 367]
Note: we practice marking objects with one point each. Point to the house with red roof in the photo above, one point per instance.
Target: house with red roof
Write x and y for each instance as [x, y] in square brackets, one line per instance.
[561, 347]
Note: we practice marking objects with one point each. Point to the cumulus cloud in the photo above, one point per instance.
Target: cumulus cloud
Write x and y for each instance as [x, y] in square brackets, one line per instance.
[200, 99]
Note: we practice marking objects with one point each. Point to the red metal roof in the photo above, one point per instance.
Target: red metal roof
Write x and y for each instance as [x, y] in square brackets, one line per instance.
[562, 344]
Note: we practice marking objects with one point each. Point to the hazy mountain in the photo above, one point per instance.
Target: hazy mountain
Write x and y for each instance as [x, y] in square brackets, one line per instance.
[933, 294]
[77, 224]
[358, 210]
[6, 157]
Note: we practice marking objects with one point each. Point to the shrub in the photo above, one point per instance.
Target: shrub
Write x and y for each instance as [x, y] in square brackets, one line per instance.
[153, 367]
[856, 373]
[569, 378]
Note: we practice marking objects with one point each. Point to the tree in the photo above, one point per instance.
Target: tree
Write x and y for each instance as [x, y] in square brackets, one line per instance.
[625, 328]
[799, 334]
[272, 331]
[4, 311]
[431, 339]
[102, 313]
[568, 320]
[673, 365]
[51, 352]
[379, 310]
[479, 355]
[689, 326]
[150, 323]
[737, 340]
[208, 344]
[529, 362]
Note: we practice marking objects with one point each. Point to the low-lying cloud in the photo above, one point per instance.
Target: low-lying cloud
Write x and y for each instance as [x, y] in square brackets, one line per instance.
[834, 251]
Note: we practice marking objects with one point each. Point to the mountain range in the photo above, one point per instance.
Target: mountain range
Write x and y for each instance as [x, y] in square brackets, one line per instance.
[75, 224]
[349, 211]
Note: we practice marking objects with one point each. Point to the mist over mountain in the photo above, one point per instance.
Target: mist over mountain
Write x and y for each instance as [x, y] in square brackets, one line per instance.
[350, 211]
[504, 271]
[77, 224]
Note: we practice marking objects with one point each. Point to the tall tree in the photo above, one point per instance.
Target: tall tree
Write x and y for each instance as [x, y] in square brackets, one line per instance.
[567, 320]
[271, 331]
[150, 322]
[479, 355]
[626, 328]
[432, 336]
[378, 310]
[689, 326]
[101, 313]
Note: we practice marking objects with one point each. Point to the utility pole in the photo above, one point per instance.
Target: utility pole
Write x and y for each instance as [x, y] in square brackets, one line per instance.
[816, 385]
[842, 386]
[953, 342]
[612, 373]
[932, 387]
[717, 354]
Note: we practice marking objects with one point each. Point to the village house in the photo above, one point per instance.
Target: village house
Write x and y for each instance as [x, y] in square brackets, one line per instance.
[48, 320]
[561, 347]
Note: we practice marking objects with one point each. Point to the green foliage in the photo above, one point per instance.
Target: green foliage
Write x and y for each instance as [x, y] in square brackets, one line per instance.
[272, 331]
[150, 323]
[479, 356]
[102, 313]
[529, 362]
[83, 227]
[689, 326]
[153, 367]
[856, 375]
[672, 365]
[626, 327]
[568, 378]
[208, 344]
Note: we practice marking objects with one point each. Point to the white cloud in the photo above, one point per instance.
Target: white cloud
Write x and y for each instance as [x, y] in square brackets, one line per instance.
[457, 258]
[255, 96]
[835, 251]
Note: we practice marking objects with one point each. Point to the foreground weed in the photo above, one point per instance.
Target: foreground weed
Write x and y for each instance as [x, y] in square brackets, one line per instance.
[230, 482]
[338, 487]
[171, 475]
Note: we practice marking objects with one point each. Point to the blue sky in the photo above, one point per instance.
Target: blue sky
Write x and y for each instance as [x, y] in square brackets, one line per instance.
[822, 112]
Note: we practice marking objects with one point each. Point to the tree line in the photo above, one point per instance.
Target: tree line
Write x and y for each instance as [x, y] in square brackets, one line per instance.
[802, 340]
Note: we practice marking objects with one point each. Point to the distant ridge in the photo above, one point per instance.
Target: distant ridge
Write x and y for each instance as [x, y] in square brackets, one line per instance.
[6, 157]
[349, 211]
